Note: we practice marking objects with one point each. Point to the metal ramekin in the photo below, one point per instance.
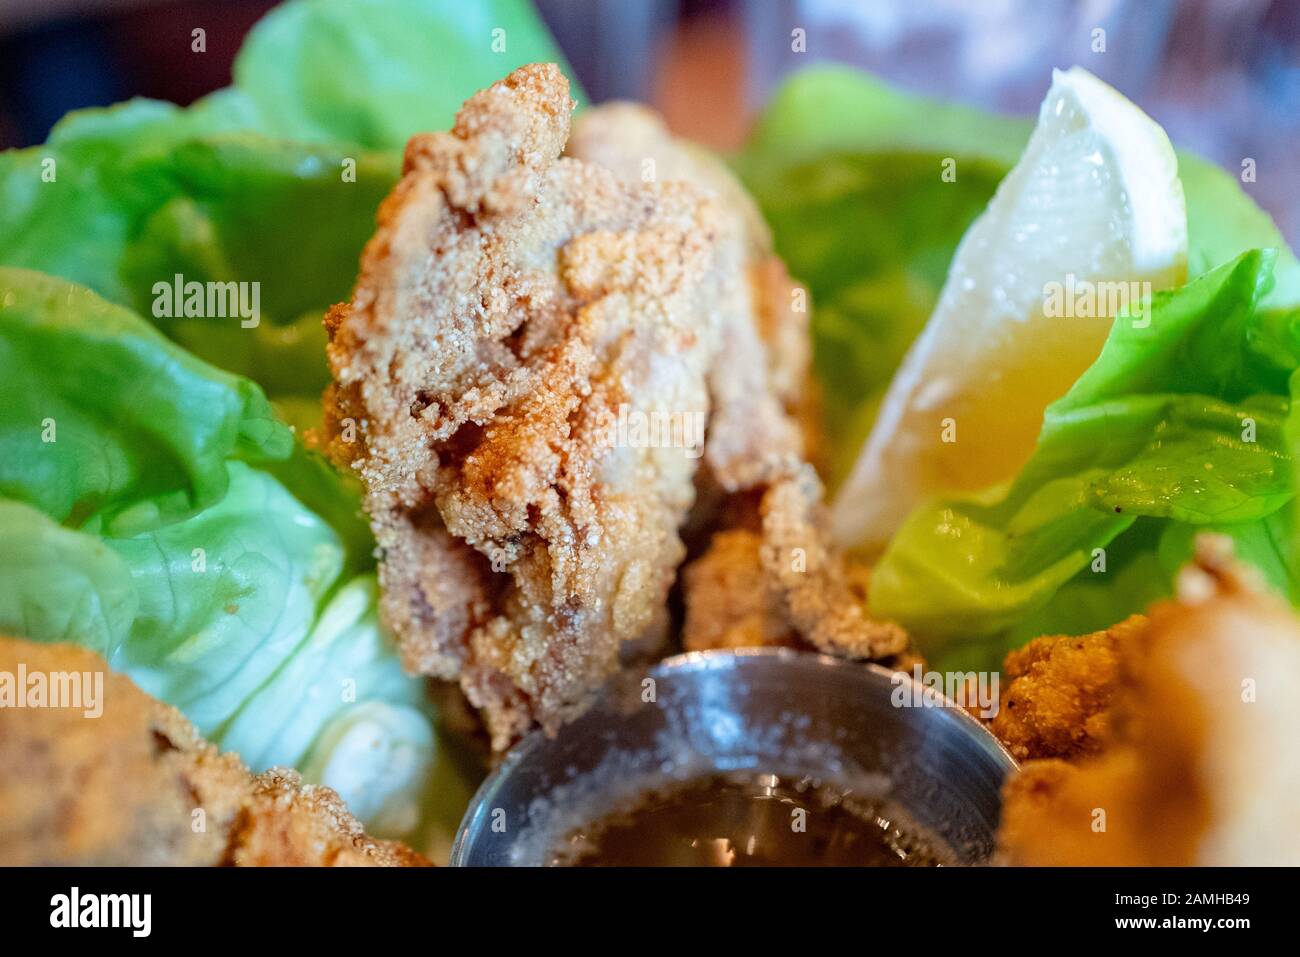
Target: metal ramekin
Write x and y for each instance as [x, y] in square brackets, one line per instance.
[774, 710]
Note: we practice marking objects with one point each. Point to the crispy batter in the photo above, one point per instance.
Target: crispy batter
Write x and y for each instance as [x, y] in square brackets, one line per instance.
[288, 823]
[733, 602]
[1201, 764]
[728, 601]
[1057, 704]
[780, 585]
[128, 786]
[816, 584]
[632, 141]
[510, 308]
[513, 311]
[762, 428]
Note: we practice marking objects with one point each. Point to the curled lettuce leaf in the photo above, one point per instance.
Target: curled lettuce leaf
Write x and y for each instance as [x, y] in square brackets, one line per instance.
[60, 585]
[274, 180]
[225, 596]
[1180, 424]
[141, 194]
[359, 724]
[374, 72]
[103, 423]
[153, 509]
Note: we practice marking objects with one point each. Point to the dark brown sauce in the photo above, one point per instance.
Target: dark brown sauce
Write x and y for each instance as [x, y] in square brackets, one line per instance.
[750, 820]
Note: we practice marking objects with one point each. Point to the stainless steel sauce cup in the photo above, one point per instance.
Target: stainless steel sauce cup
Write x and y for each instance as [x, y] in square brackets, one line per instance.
[765, 710]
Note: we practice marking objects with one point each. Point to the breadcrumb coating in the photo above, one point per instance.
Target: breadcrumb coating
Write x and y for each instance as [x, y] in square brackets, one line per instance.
[728, 602]
[632, 141]
[732, 602]
[787, 586]
[512, 308]
[138, 785]
[1199, 765]
[1057, 702]
[514, 312]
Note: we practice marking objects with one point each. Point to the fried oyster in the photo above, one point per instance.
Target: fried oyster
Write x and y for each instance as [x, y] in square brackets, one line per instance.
[135, 784]
[522, 380]
[1197, 763]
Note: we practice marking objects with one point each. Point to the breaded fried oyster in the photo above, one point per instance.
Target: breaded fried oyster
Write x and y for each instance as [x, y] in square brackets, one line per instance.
[1057, 704]
[1198, 763]
[129, 781]
[523, 379]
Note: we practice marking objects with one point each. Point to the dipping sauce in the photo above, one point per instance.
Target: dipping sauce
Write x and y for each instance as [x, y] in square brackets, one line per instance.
[751, 820]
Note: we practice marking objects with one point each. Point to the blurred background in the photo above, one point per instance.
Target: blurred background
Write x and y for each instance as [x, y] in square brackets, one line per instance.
[1222, 76]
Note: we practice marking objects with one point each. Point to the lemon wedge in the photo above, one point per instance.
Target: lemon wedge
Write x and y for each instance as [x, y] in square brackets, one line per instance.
[1090, 218]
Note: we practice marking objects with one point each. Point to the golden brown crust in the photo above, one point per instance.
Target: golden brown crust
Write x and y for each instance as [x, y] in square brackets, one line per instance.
[1057, 703]
[759, 382]
[517, 317]
[137, 785]
[820, 593]
[290, 824]
[782, 311]
[728, 601]
[735, 598]
[1198, 765]
[762, 427]
[633, 142]
[511, 308]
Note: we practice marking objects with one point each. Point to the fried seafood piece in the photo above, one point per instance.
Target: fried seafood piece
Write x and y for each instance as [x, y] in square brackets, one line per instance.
[774, 580]
[1201, 764]
[522, 380]
[820, 593]
[633, 142]
[290, 824]
[728, 602]
[1057, 704]
[733, 600]
[786, 587]
[521, 324]
[127, 780]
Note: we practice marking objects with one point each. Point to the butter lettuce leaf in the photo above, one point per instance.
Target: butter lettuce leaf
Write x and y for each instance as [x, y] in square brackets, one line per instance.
[1181, 423]
[140, 196]
[105, 423]
[374, 72]
[154, 510]
[61, 585]
[274, 180]
[225, 596]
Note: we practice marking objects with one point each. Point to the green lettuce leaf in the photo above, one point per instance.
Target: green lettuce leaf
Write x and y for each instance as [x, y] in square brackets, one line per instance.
[829, 109]
[225, 596]
[152, 509]
[105, 423]
[291, 218]
[135, 202]
[61, 585]
[72, 206]
[1179, 425]
[274, 180]
[374, 72]
[359, 722]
